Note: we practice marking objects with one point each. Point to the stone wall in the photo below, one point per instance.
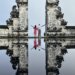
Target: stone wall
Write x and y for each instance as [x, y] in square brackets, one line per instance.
[18, 22]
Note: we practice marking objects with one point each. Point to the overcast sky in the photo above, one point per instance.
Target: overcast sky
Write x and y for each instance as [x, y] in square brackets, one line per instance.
[5, 8]
[68, 8]
[37, 14]
[36, 11]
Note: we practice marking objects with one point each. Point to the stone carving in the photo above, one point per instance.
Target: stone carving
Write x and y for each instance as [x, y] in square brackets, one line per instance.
[55, 50]
[61, 37]
[18, 22]
[18, 52]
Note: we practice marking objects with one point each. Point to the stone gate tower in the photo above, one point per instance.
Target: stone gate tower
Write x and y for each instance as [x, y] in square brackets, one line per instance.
[54, 17]
[23, 15]
[56, 26]
[60, 37]
[17, 24]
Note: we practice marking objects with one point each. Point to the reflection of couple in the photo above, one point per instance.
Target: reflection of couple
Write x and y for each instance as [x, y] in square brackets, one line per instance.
[36, 44]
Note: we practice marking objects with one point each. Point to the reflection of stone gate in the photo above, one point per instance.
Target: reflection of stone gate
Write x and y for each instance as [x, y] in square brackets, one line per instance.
[17, 49]
[55, 50]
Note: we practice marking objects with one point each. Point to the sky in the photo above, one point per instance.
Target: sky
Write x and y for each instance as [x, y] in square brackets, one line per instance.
[68, 8]
[5, 9]
[36, 11]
